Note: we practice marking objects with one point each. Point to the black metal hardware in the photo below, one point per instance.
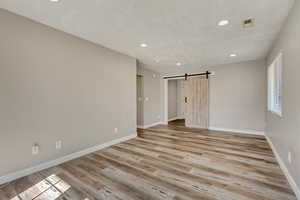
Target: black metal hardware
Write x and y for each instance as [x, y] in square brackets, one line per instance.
[207, 73]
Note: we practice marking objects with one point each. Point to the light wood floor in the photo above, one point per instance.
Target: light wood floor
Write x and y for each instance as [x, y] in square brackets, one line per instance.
[164, 162]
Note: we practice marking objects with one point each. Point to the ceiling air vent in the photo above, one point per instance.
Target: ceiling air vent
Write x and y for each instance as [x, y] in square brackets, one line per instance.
[248, 23]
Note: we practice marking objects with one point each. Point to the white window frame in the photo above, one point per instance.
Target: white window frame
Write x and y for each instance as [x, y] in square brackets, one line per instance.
[275, 86]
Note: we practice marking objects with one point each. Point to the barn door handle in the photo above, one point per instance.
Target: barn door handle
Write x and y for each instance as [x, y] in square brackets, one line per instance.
[185, 99]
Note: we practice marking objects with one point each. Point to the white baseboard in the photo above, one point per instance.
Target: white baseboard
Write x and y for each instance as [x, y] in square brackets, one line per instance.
[285, 170]
[19, 174]
[252, 132]
[172, 119]
[194, 126]
[150, 125]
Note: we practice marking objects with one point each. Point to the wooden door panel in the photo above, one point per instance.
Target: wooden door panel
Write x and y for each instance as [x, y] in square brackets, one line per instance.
[197, 102]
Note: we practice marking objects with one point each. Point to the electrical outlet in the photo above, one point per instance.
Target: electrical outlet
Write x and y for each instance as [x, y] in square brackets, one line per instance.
[147, 99]
[116, 130]
[35, 149]
[58, 144]
[290, 157]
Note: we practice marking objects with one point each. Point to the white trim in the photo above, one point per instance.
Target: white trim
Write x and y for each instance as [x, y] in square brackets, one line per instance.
[150, 125]
[285, 170]
[245, 131]
[195, 126]
[174, 118]
[25, 172]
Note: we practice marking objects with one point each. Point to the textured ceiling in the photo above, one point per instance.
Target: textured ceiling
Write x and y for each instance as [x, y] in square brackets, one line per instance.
[175, 30]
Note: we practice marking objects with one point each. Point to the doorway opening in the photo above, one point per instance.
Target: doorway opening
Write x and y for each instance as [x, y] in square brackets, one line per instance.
[140, 100]
[187, 102]
[176, 102]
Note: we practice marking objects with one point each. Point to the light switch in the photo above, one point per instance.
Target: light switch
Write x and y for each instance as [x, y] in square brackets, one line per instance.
[290, 157]
[58, 144]
[116, 130]
[35, 149]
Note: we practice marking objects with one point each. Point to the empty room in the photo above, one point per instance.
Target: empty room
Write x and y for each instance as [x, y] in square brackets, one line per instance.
[149, 100]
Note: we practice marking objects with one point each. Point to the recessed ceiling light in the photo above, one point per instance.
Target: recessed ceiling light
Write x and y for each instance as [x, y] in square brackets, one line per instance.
[178, 64]
[144, 45]
[233, 55]
[54, 0]
[223, 22]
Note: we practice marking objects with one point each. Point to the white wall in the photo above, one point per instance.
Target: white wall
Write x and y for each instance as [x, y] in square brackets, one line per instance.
[238, 96]
[172, 99]
[54, 86]
[284, 131]
[152, 95]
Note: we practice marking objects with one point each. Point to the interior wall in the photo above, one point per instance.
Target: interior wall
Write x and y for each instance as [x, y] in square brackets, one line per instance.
[238, 96]
[284, 131]
[172, 99]
[54, 86]
[152, 95]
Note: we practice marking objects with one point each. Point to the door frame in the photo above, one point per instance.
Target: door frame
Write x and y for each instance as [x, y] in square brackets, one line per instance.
[166, 98]
[141, 114]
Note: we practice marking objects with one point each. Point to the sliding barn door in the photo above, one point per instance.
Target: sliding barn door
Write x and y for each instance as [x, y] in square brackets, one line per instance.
[197, 102]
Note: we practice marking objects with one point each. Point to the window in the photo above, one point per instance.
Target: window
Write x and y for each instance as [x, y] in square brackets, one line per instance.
[274, 86]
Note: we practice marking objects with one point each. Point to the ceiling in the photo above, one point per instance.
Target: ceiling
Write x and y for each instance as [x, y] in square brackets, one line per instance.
[183, 31]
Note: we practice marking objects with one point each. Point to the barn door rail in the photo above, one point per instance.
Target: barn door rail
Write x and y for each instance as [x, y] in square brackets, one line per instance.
[207, 73]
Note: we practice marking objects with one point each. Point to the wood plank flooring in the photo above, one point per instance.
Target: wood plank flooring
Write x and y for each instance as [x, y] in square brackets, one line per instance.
[164, 162]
